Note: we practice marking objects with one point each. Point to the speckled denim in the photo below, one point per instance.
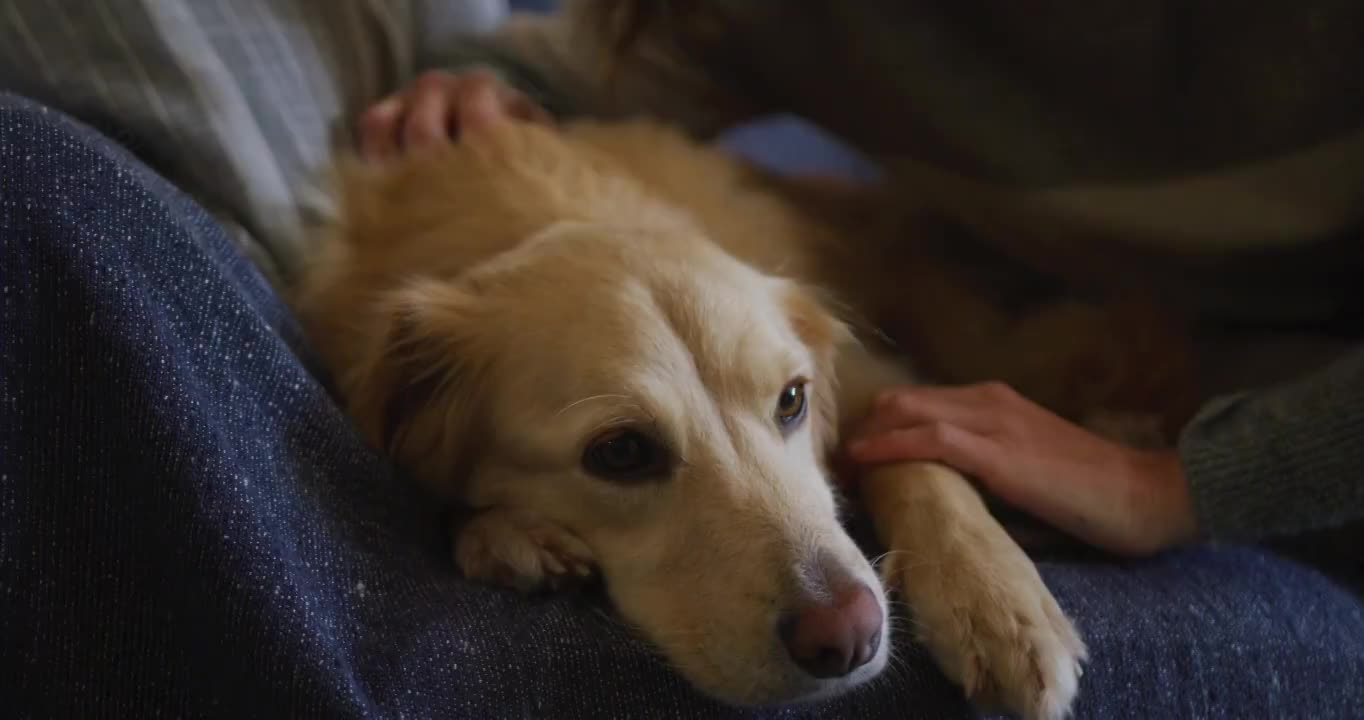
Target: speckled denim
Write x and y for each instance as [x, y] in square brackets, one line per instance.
[189, 527]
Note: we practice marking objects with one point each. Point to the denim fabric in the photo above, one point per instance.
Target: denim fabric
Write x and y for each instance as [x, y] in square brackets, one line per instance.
[189, 526]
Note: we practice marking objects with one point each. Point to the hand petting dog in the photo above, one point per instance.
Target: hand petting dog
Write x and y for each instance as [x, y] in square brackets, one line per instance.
[435, 108]
[1120, 499]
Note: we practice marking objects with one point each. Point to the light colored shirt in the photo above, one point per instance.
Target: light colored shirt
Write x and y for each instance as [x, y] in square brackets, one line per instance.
[239, 102]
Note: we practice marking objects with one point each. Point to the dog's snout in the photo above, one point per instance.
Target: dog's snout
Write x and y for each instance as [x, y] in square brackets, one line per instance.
[831, 640]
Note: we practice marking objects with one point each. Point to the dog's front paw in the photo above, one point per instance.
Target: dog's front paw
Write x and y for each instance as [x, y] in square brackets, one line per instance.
[516, 551]
[996, 629]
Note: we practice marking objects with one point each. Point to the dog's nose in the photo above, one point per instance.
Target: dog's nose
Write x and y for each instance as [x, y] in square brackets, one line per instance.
[832, 640]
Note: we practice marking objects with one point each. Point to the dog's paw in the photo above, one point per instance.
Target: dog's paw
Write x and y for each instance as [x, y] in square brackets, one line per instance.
[995, 628]
[520, 552]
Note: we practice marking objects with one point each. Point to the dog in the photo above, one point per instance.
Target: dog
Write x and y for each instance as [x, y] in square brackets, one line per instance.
[631, 355]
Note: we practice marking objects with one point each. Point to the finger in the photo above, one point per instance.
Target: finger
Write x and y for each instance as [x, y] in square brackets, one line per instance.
[479, 105]
[485, 100]
[523, 108]
[979, 457]
[923, 405]
[431, 109]
[379, 128]
[949, 444]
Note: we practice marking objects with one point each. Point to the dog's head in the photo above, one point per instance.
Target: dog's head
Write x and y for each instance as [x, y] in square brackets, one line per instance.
[670, 405]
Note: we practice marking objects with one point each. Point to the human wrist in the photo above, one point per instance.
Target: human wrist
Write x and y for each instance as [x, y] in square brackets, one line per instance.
[1161, 502]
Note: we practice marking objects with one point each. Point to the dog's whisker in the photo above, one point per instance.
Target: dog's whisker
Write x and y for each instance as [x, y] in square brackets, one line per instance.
[910, 624]
[889, 553]
[897, 668]
[898, 604]
[594, 398]
[920, 565]
[914, 563]
[612, 422]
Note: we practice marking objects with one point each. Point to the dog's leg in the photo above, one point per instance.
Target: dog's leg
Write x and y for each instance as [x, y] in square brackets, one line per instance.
[979, 605]
[517, 551]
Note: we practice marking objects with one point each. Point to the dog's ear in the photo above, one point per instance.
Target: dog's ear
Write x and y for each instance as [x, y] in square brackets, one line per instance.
[414, 396]
[825, 335]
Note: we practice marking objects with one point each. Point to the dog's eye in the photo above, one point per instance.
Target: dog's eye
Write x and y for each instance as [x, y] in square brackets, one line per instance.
[791, 404]
[625, 456]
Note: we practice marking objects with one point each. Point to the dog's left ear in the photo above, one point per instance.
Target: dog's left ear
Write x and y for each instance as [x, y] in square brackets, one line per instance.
[825, 335]
[414, 396]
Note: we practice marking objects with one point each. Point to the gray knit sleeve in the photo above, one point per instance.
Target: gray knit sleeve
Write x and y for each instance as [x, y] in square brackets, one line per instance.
[1280, 461]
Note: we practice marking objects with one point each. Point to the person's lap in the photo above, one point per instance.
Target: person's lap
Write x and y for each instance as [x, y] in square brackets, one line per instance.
[188, 522]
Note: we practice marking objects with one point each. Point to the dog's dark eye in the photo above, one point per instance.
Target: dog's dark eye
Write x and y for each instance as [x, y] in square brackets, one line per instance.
[625, 456]
[791, 404]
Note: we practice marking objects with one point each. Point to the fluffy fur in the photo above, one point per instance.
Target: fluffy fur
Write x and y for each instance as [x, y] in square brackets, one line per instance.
[490, 308]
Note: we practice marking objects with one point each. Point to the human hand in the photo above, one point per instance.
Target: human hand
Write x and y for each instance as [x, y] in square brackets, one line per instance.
[436, 107]
[1124, 500]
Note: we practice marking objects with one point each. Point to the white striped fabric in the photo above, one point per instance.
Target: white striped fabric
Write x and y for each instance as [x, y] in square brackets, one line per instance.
[239, 102]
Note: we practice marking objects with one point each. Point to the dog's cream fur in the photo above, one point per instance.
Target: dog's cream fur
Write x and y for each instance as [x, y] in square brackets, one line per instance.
[490, 308]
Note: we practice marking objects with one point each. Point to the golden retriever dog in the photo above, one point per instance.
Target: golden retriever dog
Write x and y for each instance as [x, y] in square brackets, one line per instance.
[631, 355]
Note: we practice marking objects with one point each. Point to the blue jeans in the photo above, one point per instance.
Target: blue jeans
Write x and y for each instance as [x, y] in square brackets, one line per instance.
[189, 524]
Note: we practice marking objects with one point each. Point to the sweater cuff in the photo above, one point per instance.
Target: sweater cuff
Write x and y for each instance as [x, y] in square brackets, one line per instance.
[1282, 461]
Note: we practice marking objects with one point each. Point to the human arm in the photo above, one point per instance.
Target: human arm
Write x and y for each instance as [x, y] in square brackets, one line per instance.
[1275, 462]
[1125, 500]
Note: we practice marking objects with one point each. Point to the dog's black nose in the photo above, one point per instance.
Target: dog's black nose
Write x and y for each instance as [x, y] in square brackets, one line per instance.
[832, 640]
